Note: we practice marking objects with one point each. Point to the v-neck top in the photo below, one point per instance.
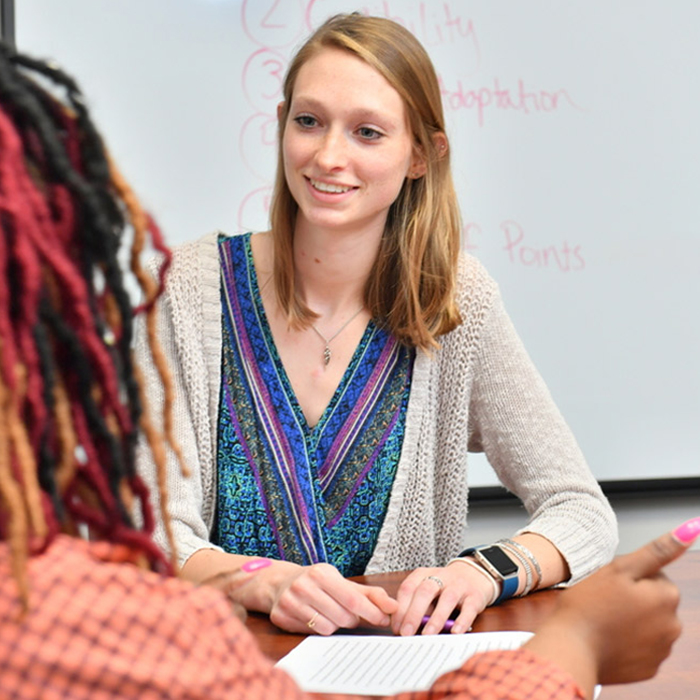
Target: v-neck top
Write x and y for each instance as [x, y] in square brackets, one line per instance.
[287, 490]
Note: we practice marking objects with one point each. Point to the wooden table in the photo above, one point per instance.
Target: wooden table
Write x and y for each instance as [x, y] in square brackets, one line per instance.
[678, 678]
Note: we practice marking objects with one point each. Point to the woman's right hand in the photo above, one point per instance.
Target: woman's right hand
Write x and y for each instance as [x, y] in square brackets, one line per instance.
[619, 624]
[319, 599]
[306, 599]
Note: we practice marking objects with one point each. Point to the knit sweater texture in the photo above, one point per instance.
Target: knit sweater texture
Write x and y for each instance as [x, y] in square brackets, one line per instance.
[478, 392]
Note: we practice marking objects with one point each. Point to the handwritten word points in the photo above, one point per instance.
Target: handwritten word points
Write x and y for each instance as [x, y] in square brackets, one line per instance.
[561, 257]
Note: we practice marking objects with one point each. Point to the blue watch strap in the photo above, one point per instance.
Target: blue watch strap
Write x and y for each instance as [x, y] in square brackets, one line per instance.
[508, 588]
[509, 583]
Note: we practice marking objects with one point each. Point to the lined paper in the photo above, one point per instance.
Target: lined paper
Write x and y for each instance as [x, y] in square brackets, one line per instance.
[384, 665]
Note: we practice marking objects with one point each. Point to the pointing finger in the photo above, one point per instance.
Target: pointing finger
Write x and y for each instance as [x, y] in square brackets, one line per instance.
[652, 557]
[229, 581]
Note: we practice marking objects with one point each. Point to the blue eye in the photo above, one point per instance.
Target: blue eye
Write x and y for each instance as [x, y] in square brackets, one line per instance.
[305, 121]
[368, 133]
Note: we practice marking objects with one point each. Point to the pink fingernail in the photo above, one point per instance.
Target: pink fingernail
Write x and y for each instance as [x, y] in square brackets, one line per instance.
[256, 565]
[688, 531]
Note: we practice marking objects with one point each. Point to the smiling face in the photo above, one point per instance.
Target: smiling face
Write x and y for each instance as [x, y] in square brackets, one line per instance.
[347, 146]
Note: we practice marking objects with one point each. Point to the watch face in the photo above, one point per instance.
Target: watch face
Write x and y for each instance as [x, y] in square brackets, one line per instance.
[499, 560]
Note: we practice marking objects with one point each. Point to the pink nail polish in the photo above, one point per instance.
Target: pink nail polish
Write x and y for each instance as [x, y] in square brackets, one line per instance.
[688, 531]
[255, 565]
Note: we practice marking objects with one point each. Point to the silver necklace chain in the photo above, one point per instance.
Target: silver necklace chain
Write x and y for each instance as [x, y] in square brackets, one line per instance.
[327, 341]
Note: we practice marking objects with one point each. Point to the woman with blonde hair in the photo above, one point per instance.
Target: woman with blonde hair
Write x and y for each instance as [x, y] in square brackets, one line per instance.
[334, 372]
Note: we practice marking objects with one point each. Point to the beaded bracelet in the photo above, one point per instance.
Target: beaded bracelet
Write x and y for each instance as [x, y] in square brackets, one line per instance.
[470, 562]
[525, 564]
[524, 550]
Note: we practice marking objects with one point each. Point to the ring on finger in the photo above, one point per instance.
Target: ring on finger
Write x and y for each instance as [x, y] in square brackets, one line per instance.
[437, 580]
[312, 622]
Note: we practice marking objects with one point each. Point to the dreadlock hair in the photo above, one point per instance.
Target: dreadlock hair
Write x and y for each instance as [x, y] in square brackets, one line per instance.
[71, 403]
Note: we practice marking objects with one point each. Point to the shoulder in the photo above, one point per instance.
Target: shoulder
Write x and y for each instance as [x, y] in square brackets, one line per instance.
[195, 254]
[103, 570]
[193, 269]
[185, 255]
[476, 291]
[202, 252]
[162, 622]
[478, 297]
[473, 279]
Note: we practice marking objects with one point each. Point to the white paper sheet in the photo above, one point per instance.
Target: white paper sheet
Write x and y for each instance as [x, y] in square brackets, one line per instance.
[384, 665]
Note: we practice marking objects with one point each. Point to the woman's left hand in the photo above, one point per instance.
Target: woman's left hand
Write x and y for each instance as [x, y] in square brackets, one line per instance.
[449, 588]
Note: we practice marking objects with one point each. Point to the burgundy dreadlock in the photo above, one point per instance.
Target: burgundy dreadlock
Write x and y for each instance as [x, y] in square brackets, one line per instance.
[71, 403]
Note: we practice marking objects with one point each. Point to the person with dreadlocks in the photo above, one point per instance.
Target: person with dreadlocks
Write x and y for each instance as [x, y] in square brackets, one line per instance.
[71, 410]
[105, 617]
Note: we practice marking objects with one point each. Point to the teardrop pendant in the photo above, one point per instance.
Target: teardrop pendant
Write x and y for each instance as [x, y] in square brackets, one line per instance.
[327, 341]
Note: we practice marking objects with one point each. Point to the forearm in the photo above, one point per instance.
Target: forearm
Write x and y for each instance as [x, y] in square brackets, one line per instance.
[539, 565]
[259, 595]
[547, 565]
[556, 641]
[535, 454]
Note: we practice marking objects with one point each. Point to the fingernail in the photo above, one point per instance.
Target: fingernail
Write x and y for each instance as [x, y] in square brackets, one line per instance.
[255, 565]
[688, 531]
[406, 631]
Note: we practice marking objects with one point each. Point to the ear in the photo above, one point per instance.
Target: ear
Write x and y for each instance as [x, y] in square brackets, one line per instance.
[418, 165]
[440, 144]
[280, 112]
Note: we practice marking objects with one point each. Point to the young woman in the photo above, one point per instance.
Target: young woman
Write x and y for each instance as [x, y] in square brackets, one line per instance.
[334, 371]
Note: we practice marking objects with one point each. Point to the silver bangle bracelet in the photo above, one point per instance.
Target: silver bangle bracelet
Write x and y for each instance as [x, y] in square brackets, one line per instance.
[525, 551]
[525, 564]
[470, 562]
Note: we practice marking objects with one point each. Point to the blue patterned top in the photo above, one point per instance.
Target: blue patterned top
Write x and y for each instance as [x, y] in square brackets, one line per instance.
[287, 490]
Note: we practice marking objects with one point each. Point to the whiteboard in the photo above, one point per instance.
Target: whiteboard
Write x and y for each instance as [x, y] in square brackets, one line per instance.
[576, 149]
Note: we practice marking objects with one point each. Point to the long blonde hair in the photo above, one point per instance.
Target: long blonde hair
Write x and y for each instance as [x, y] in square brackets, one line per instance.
[411, 288]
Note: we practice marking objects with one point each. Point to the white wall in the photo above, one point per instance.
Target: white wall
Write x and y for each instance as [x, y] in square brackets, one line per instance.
[641, 518]
[576, 151]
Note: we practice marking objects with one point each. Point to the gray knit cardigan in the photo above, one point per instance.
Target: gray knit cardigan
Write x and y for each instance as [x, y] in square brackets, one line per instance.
[479, 391]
